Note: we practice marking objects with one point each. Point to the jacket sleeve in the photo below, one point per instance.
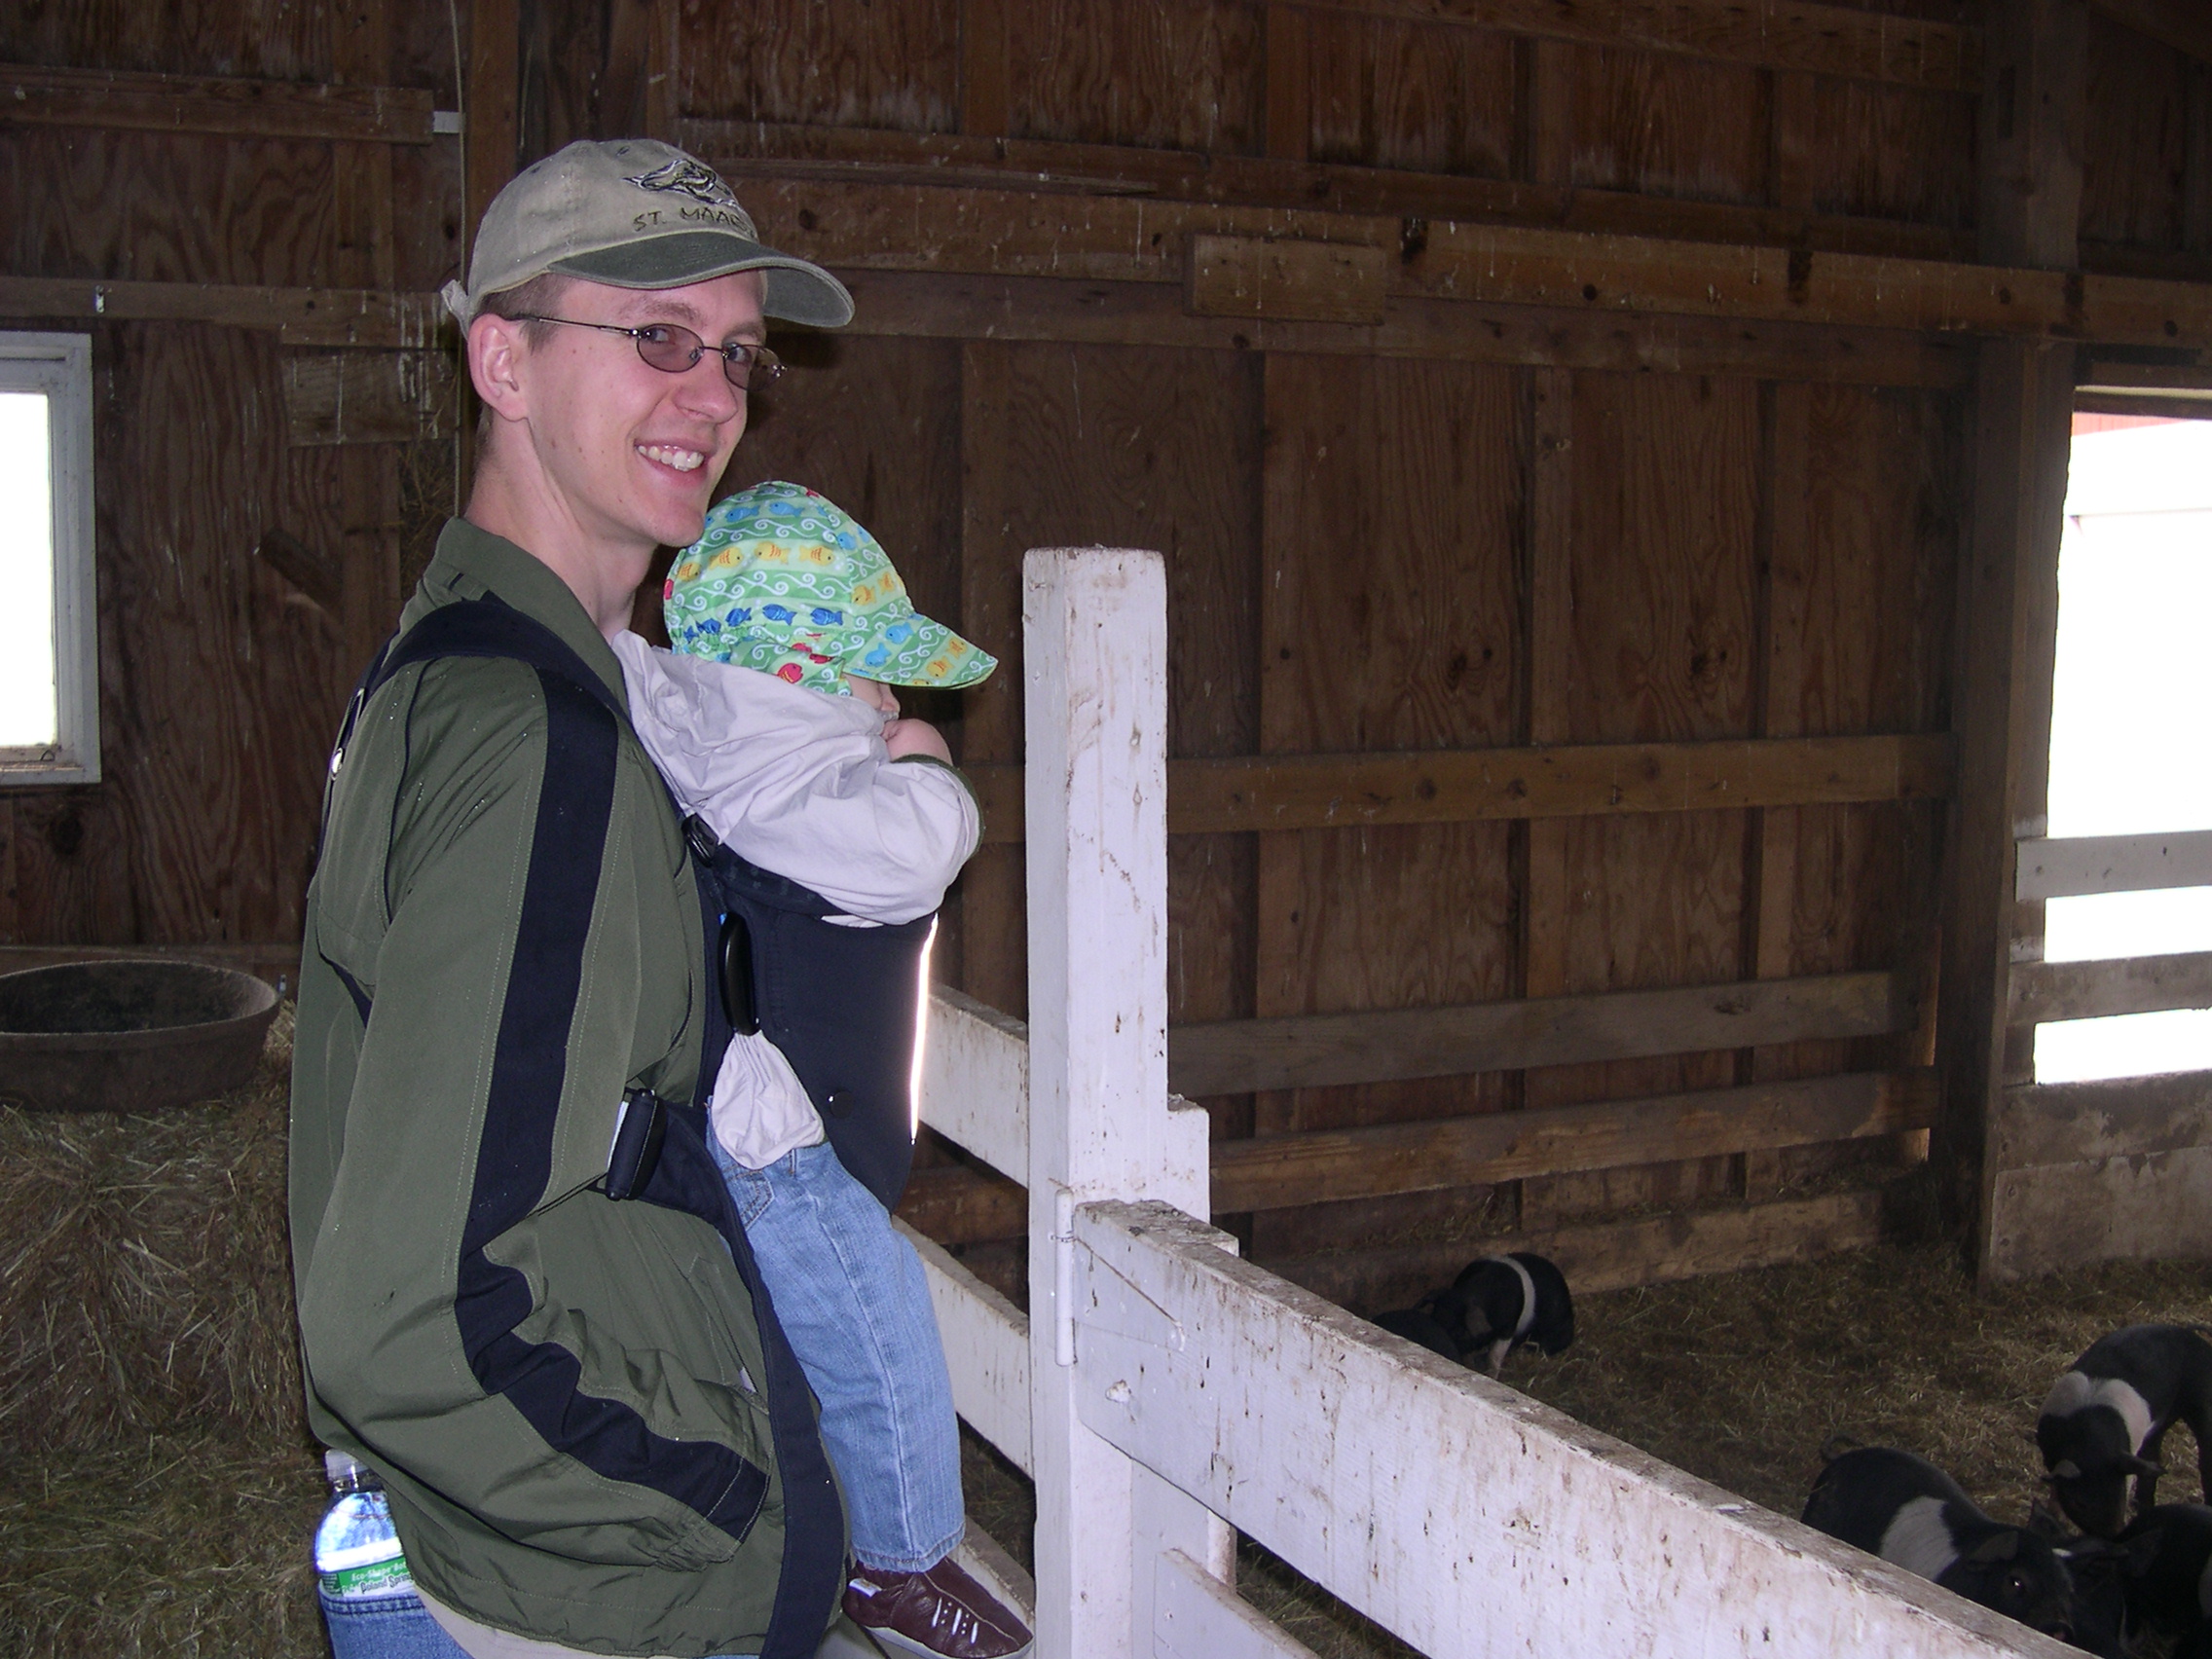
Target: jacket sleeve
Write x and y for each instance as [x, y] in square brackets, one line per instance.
[459, 1311]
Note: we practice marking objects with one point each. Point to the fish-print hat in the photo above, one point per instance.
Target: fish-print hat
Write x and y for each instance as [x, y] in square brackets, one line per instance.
[784, 582]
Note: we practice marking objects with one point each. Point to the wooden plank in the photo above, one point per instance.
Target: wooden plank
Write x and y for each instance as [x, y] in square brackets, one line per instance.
[366, 397]
[2182, 24]
[1289, 86]
[2033, 112]
[2075, 1122]
[315, 577]
[297, 317]
[1400, 187]
[999, 232]
[1283, 1172]
[1249, 277]
[1141, 313]
[1772, 34]
[1223, 1379]
[986, 1348]
[1196, 1616]
[975, 1082]
[1417, 98]
[1311, 1051]
[983, 69]
[1334, 791]
[493, 108]
[1608, 1255]
[2043, 991]
[954, 1204]
[2064, 1217]
[225, 105]
[2111, 864]
[1186, 76]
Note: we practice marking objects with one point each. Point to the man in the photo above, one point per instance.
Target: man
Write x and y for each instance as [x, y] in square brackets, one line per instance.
[594, 1435]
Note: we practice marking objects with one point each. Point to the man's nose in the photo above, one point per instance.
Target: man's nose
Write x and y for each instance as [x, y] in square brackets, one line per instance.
[704, 389]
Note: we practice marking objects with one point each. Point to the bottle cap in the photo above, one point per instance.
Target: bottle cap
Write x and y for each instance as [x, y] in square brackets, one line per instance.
[338, 1466]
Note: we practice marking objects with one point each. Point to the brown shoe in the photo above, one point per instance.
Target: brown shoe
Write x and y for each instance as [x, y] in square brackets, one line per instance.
[943, 1614]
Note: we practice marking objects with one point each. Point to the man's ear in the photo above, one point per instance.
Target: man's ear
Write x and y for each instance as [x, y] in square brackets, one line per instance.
[495, 349]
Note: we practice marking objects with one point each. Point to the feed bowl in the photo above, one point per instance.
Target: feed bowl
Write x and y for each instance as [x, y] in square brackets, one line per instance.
[127, 1035]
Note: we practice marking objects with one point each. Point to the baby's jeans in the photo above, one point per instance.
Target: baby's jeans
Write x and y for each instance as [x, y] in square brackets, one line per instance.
[850, 1295]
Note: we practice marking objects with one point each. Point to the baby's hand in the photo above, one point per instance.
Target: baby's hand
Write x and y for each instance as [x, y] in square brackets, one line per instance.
[915, 737]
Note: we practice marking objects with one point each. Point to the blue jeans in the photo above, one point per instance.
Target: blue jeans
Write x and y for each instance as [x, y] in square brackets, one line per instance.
[850, 1295]
[392, 1627]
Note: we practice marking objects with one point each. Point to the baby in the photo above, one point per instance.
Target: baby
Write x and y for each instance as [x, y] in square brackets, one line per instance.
[839, 826]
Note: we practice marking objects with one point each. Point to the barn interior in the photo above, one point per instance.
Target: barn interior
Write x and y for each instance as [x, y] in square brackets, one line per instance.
[1610, 464]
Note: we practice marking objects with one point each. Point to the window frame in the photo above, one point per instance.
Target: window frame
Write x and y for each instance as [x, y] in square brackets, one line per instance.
[61, 365]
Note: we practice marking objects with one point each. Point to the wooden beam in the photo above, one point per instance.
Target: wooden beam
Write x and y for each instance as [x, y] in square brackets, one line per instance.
[959, 1205]
[297, 317]
[906, 305]
[983, 69]
[747, 149]
[1773, 34]
[2044, 991]
[1324, 792]
[1607, 1256]
[494, 108]
[2113, 864]
[1285, 1171]
[2034, 106]
[1012, 233]
[1253, 277]
[1289, 84]
[2129, 1116]
[369, 397]
[1311, 1050]
[2186, 25]
[316, 578]
[219, 105]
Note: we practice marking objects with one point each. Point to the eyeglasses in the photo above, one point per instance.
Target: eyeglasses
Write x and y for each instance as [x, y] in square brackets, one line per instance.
[673, 349]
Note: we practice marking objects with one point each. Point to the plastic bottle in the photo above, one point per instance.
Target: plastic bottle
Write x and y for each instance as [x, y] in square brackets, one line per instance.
[356, 1551]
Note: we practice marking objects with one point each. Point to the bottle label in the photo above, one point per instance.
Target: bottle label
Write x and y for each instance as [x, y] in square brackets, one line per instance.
[387, 1577]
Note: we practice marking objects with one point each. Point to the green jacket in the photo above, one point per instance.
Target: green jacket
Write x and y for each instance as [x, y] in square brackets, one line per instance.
[562, 1392]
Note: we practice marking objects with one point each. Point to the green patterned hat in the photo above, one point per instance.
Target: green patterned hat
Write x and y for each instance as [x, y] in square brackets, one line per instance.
[783, 582]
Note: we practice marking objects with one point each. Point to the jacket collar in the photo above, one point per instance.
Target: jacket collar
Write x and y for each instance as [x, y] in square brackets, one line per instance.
[471, 562]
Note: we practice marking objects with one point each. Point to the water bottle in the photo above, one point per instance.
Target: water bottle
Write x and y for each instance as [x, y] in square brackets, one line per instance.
[356, 1551]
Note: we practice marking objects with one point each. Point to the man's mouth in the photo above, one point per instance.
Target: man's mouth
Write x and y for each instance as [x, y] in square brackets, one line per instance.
[668, 455]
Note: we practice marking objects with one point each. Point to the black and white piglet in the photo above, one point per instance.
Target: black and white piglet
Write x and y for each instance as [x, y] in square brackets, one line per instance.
[1907, 1511]
[2105, 1418]
[1501, 1302]
[1420, 1324]
[2170, 1579]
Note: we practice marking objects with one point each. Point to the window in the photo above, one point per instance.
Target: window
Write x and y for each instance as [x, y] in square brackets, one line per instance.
[2130, 722]
[49, 638]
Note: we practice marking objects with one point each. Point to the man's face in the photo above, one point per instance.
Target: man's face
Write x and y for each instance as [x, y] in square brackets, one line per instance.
[633, 452]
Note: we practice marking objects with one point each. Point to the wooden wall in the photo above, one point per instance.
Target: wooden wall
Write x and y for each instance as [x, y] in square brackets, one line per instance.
[1639, 421]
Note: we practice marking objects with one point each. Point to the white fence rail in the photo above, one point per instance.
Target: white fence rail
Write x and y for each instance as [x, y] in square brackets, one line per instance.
[1163, 1391]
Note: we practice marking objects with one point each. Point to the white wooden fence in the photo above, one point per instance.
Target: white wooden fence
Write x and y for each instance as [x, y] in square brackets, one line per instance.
[1162, 1391]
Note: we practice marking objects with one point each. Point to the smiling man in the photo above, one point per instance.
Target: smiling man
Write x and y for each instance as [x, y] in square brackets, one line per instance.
[524, 1301]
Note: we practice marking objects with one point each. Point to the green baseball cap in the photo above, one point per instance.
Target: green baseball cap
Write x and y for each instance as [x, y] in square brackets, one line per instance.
[784, 582]
[633, 213]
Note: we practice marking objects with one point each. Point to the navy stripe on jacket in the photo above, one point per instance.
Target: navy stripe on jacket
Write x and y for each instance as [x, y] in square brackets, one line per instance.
[514, 1155]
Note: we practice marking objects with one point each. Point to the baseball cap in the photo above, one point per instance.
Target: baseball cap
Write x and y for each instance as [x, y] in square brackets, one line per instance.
[633, 213]
[783, 582]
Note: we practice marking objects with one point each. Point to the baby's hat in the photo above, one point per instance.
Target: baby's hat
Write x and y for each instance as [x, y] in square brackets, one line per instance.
[783, 582]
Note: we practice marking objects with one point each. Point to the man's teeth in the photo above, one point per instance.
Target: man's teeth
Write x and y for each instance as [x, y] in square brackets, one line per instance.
[682, 460]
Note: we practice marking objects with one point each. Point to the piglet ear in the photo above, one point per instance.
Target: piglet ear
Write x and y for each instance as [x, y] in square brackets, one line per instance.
[2065, 1469]
[1998, 1546]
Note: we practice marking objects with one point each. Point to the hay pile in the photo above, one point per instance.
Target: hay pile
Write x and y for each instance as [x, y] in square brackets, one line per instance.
[158, 1486]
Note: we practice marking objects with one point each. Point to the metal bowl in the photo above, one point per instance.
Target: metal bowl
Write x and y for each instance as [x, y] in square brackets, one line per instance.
[128, 1035]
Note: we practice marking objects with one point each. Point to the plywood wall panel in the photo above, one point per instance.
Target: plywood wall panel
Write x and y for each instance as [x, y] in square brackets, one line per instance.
[276, 40]
[1662, 576]
[1885, 152]
[1666, 125]
[1167, 74]
[150, 207]
[1393, 509]
[218, 694]
[883, 63]
[1134, 447]
[2135, 140]
[1385, 93]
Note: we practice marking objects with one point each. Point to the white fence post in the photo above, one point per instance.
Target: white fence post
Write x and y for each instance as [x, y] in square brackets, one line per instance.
[1095, 641]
